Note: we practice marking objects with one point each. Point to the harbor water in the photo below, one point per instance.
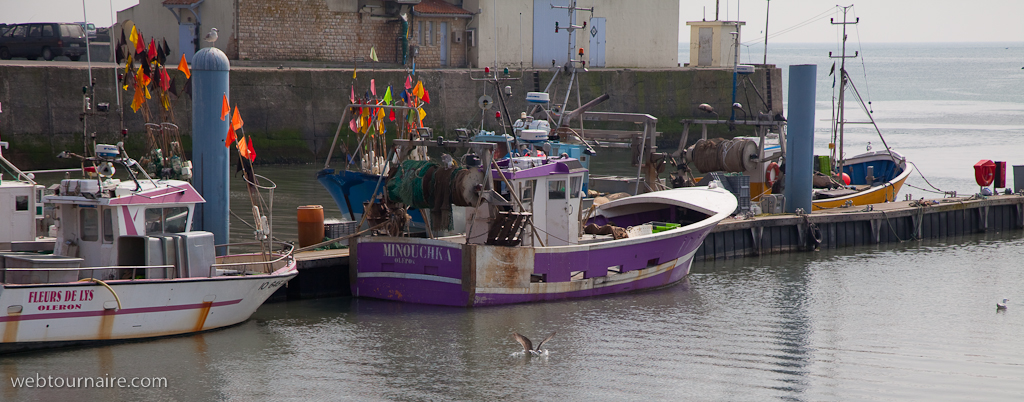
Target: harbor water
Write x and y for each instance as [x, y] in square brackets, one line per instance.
[903, 321]
[913, 321]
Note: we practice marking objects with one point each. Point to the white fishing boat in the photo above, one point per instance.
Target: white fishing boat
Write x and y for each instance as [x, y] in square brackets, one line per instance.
[20, 206]
[128, 265]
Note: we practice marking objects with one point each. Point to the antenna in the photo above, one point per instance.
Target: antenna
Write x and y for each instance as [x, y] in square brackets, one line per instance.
[842, 79]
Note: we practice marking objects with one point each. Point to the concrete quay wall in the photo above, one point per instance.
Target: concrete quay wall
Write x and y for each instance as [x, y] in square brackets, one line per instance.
[291, 113]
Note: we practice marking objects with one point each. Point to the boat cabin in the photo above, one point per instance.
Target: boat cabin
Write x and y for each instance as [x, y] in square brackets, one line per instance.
[94, 218]
[551, 190]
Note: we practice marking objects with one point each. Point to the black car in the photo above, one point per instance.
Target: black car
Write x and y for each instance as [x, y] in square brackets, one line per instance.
[42, 39]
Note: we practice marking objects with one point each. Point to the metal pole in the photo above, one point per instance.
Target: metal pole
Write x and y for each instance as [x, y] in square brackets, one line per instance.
[766, 9]
[800, 142]
[210, 82]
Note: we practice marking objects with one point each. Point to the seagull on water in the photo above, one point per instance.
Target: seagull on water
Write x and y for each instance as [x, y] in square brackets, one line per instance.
[211, 36]
[528, 346]
[1002, 306]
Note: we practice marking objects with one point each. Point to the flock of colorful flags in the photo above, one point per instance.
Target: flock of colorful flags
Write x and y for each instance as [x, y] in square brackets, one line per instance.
[371, 117]
[145, 69]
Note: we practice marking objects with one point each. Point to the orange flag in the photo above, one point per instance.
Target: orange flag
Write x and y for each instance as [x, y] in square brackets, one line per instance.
[183, 65]
[236, 120]
[225, 110]
[252, 152]
[243, 149]
[230, 138]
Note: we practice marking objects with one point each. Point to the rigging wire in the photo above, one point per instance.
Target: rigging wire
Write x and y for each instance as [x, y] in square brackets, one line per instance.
[863, 66]
[796, 26]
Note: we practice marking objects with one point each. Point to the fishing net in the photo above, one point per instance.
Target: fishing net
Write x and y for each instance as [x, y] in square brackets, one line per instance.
[425, 184]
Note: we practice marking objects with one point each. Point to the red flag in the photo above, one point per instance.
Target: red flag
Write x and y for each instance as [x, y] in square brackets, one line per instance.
[352, 98]
[151, 54]
[391, 114]
[252, 152]
[236, 120]
[230, 138]
[140, 46]
[165, 79]
[225, 110]
[426, 96]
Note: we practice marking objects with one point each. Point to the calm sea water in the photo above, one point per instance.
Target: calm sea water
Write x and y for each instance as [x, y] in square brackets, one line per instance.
[910, 321]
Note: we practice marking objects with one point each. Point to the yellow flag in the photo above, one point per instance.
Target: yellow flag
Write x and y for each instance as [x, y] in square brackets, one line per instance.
[418, 90]
[165, 100]
[373, 53]
[423, 114]
[134, 37]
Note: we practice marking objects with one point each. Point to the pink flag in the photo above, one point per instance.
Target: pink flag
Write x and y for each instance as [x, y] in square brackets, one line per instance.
[352, 98]
[408, 82]
[373, 88]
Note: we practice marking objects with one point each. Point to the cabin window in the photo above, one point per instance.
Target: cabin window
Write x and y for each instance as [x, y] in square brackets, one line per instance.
[47, 31]
[89, 224]
[575, 184]
[556, 190]
[528, 189]
[108, 225]
[154, 220]
[21, 203]
[166, 220]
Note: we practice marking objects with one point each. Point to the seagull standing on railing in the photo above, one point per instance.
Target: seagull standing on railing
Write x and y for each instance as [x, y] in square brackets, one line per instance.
[211, 36]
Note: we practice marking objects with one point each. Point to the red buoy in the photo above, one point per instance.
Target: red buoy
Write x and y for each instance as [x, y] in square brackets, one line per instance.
[846, 179]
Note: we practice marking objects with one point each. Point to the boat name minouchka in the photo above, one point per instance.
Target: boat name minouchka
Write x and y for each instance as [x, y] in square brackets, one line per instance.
[417, 251]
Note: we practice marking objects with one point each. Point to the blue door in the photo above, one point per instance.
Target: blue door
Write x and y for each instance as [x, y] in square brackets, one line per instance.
[548, 45]
[596, 33]
[186, 41]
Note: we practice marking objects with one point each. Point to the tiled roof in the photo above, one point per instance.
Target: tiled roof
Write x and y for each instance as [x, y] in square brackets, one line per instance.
[438, 7]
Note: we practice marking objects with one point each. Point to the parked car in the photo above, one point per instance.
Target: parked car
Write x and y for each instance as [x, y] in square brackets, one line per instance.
[90, 29]
[43, 39]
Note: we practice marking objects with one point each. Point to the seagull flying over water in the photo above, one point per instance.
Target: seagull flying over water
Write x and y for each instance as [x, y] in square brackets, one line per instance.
[528, 346]
[211, 36]
[1002, 306]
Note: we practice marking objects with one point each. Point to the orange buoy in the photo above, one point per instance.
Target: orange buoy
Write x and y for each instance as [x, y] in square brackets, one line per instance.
[311, 224]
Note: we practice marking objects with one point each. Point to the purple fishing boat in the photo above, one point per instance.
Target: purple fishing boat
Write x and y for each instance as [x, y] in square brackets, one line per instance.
[531, 233]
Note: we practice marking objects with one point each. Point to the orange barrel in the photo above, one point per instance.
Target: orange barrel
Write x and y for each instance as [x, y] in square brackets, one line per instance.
[311, 224]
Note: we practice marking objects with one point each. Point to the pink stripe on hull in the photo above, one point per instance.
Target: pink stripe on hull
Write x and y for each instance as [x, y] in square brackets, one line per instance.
[140, 310]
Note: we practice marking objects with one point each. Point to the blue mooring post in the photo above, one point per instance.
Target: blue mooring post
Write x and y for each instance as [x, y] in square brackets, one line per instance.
[800, 137]
[210, 68]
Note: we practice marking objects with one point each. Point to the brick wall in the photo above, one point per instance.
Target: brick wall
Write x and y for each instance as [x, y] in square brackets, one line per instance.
[307, 30]
[430, 50]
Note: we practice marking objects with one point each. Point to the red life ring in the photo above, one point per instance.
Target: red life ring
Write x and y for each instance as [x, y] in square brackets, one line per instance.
[772, 174]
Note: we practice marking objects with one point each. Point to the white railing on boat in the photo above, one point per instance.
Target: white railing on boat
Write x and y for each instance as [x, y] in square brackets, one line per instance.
[170, 271]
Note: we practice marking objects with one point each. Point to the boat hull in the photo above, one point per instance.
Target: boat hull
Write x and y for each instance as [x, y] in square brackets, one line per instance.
[433, 271]
[885, 192]
[57, 314]
[350, 189]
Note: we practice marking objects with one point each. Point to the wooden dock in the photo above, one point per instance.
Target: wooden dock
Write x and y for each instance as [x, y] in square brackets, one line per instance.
[326, 273]
[860, 225]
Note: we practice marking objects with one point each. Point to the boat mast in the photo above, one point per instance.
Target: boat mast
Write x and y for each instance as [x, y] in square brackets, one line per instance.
[842, 82]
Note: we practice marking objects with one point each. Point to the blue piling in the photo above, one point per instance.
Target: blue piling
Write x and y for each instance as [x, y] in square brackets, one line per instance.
[800, 137]
[210, 158]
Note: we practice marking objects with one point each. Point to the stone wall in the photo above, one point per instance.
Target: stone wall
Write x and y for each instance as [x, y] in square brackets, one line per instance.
[292, 113]
[308, 30]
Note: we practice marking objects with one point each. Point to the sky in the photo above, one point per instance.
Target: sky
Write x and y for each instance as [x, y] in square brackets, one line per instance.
[805, 21]
[881, 20]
